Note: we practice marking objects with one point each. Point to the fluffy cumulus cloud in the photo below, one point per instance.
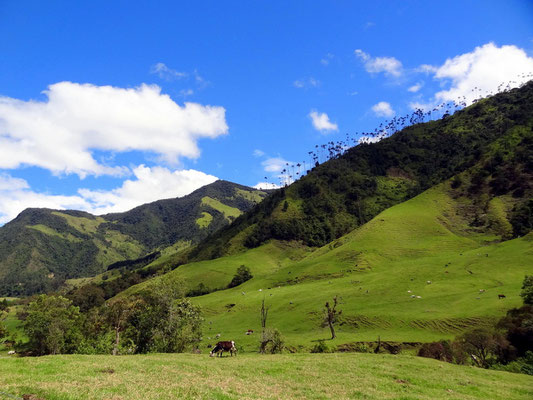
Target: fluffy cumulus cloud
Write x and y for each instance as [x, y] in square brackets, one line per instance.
[150, 184]
[59, 134]
[481, 71]
[390, 66]
[16, 195]
[322, 123]
[383, 109]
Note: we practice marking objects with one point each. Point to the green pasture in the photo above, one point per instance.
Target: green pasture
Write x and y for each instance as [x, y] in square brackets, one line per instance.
[251, 376]
[423, 247]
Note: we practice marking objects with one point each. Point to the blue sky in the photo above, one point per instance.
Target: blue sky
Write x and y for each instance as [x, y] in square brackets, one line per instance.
[105, 105]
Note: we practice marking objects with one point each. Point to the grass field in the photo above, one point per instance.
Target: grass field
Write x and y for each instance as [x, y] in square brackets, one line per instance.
[375, 270]
[251, 376]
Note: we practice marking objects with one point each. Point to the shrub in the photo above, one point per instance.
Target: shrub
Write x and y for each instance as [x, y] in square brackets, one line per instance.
[242, 275]
[527, 290]
[320, 347]
[361, 348]
[438, 350]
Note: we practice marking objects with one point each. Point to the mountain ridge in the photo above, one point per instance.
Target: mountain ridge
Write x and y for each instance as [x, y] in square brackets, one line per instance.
[41, 248]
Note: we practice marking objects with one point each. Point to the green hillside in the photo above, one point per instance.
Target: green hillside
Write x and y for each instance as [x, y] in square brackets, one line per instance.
[351, 188]
[423, 269]
[375, 270]
[42, 248]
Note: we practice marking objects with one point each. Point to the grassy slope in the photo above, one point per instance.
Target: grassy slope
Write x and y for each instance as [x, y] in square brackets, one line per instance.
[295, 376]
[371, 270]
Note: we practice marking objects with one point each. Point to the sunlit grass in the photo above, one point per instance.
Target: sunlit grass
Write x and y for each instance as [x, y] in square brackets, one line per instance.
[251, 376]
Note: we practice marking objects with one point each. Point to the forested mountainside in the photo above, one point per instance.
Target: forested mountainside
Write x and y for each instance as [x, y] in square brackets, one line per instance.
[41, 248]
[491, 138]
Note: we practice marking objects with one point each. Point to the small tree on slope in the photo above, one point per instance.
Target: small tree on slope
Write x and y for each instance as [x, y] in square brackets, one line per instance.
[330, 316]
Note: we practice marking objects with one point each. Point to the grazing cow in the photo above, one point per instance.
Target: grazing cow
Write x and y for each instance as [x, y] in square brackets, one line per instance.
[501, 296]
[11, 352]
[222, 347]
[250, 331]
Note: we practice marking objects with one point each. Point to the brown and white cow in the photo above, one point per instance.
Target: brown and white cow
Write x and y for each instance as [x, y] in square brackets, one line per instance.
[222, 347]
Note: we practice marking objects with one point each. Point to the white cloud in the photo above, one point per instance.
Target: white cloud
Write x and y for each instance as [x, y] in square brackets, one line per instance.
[416, 105]
[481, 71]
[59, 134]
[150, 184]
[390, 66]
[167, 73]
[415, 88]
[426, 69]
[321, 122]
[306, 83]
[15, 196]
[327, 59]
[186, 92]
[383, 109]
[298, 84]
[275, 164]
[266, 185]
[258, 153]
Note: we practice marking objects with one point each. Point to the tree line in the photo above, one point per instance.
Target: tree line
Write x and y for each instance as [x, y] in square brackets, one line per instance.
[161, 319]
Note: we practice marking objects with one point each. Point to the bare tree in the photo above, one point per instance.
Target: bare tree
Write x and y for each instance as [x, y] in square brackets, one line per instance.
[264, 336]
[330, 316]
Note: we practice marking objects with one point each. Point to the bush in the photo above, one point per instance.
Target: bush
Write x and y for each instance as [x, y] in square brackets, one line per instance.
[320, 347]
[361, 348]
[199, 290]
[438, 350]
[242, 275]
[271, 341]
[527, 290]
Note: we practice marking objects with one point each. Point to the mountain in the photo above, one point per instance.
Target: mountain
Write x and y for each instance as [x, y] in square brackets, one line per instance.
[41, 248]
[347, 191]
[417, 235]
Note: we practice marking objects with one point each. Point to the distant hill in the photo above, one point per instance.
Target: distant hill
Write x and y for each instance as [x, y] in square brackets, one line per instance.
[41, 247]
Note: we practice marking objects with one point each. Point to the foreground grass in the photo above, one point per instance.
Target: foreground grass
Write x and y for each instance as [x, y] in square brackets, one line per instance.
[250, 376]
